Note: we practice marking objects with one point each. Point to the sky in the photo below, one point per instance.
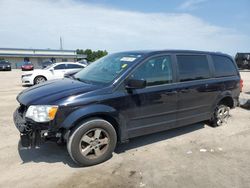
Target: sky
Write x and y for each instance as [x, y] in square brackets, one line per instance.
[116, 25]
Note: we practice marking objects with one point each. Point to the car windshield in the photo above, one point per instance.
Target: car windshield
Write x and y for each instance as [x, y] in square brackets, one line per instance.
[108, 68]
[27, 63]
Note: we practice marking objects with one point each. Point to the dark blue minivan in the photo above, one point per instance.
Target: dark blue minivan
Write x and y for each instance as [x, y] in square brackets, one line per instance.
[125, 95]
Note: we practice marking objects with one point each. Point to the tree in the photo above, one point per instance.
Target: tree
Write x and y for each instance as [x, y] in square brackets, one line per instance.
[92, 55]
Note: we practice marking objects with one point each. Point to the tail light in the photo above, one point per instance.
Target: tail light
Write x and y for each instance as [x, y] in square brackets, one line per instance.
[241, 85]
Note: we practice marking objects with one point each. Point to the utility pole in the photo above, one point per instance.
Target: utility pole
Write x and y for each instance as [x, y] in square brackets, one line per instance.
[61, 44]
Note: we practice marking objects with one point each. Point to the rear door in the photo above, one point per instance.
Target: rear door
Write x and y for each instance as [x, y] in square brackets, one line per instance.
[195, 88]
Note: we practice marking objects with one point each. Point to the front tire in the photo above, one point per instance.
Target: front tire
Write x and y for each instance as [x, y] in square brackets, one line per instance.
[92, 142]
[39, 79]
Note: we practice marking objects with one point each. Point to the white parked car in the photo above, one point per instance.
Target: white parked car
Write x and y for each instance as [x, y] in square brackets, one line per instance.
[54, 71]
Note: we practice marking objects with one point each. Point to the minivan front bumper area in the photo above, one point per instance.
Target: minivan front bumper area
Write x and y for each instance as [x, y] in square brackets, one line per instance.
[28, 136]
[31, 134]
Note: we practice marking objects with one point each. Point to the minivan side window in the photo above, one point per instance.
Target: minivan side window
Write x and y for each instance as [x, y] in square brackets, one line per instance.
[156, 71]
[223, 66]
[193, 67]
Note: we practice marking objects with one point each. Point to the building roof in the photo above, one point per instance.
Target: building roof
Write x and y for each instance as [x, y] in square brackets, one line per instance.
[21, 52]
[37, 49]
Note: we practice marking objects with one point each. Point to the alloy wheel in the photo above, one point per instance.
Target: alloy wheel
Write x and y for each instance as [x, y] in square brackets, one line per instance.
[40, 80]
[222, 115]
[94, 143]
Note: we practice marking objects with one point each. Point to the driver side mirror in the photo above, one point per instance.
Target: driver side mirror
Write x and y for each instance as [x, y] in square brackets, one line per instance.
[135, 84]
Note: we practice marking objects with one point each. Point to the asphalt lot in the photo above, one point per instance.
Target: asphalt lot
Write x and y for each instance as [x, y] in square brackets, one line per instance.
[192, 156]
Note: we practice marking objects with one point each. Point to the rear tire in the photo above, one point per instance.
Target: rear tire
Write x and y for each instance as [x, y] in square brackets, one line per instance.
[220, 115]
[92, 142]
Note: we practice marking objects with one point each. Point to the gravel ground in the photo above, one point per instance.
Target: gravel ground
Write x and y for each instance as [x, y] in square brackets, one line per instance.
[192, 156]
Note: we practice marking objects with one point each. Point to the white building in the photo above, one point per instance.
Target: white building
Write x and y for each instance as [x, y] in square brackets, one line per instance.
[16, 56]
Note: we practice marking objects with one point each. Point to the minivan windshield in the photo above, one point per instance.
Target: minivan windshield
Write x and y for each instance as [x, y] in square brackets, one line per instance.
[108, 68]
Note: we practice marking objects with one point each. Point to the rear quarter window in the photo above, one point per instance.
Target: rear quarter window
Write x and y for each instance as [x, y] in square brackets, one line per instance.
[223, 66]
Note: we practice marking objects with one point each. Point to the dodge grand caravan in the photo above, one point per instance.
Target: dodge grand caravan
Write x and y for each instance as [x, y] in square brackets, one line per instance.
[125, 95]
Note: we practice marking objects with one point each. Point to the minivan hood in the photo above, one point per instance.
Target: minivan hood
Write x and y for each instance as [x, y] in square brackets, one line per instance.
[51, 91]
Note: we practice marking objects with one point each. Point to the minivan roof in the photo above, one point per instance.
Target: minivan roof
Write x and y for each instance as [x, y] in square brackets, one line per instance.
[151, 52]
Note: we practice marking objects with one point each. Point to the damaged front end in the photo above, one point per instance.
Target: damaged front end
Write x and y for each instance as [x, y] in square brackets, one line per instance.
[33, 134]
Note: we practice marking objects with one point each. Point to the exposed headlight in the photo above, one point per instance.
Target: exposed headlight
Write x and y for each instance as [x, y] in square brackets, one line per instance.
[41, 113]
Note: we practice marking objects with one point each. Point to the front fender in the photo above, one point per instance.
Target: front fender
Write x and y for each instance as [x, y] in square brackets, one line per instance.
[95, 110]
[88, 111]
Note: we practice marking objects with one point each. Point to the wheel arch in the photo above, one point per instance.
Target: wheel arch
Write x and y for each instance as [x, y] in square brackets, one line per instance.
[104, 116]
[228, 101]
[96, 111]
[226, 98]
[39, 76]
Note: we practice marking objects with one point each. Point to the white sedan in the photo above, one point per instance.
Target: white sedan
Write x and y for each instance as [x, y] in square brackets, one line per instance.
[54, 71]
